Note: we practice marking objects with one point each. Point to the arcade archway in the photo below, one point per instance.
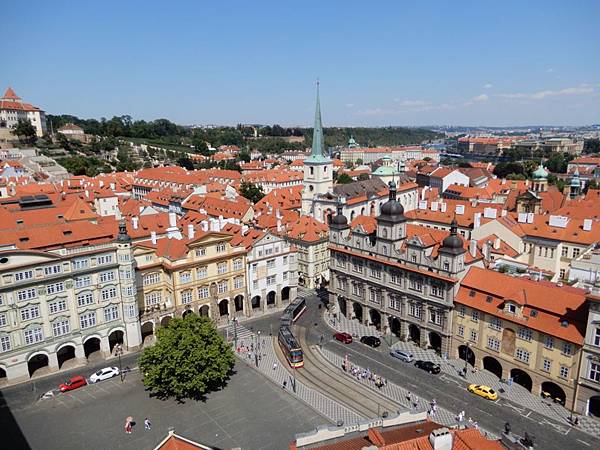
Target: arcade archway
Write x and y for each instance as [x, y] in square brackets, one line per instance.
[204, 311]
[342, 306]
[37, 362]
[238, 302]
[493, 365]
[521, 377]
[65, 354]
[466, 354]
[375, 318]
[594, 406]
[414, 333]
[395, 326]
[556, 392]
[114, 338]
[435, 341]
[92, 345]
[223, 308]
[285, 294]
[255, 302]
[358, 311]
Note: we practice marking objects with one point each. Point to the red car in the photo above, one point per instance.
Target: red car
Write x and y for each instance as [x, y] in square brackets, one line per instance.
[73, 383]
[346, 338]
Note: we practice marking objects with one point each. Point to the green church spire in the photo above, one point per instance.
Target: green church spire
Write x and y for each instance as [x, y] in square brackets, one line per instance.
[317, 154]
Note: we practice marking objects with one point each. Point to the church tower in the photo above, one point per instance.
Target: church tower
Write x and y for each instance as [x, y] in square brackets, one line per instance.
[318, 168]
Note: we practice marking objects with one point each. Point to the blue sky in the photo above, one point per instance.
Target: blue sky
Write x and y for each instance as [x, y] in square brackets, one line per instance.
[379, 62]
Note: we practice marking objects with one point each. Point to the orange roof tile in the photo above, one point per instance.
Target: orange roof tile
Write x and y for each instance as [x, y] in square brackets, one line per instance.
[532, 295]
[309, 229]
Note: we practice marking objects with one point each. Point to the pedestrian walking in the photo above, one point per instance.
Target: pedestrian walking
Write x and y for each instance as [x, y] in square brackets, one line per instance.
[408, 396]
[274, 366]
[147, 424]
[284, 385]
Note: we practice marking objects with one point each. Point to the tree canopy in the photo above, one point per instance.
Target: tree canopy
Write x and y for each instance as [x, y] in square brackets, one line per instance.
[344, 178]
[251, 191]
[24, 130]
[189, 359]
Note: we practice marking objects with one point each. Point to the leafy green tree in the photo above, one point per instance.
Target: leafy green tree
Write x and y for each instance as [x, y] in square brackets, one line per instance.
[359, 162]
[251, 191]
[24, 131]
[244, 156]
[591, 146]
[189, 359]
[344, 178]
[185, 162]
[363, 177]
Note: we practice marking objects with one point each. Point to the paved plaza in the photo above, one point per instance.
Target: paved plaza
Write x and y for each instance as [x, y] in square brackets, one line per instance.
[251, 413]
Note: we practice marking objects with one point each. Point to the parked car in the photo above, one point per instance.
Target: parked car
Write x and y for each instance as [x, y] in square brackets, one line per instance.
[483, 391]
[371, 341]
[346, 338]
[428, 366]
[104, 374]
[72, 383]
[402, 355]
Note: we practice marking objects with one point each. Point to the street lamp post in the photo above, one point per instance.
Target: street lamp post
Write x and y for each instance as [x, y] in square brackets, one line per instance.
[119, 352]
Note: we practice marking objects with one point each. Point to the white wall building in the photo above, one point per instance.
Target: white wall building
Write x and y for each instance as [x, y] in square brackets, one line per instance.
[13, 109]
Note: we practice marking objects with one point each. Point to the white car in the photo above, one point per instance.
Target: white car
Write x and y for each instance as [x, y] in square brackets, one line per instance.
[104, 374]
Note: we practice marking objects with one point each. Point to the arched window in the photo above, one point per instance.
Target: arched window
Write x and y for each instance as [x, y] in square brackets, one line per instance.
[312, 170]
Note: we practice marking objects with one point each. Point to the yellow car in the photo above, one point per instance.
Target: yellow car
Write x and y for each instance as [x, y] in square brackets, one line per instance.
[483, 391]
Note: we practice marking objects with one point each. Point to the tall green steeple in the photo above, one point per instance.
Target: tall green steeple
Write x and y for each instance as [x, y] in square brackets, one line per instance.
[317, 154]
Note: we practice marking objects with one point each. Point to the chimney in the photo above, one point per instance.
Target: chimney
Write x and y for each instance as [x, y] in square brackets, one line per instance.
[587, 225]
[204, 225]
[190, 231]
[245, 229]
[279, 226]
[487, 249]
[153, 237]
[473, 247]
[522, 218]
[434, 206]
[504, 213]
[101, 183]
[113, 186]
[80, 182]
[69, 183]
[529, 217]
[476, 220]
[87, 194]
[172, 219]
[497, 243]
[441, 439]
[134, 222]
[443, 207]
[460, 210]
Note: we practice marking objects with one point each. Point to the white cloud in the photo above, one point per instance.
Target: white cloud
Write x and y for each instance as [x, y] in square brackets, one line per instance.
[550, 70]
[349, 105]
[540, 95]
[481, 98]
[413, 103]
[487, 86]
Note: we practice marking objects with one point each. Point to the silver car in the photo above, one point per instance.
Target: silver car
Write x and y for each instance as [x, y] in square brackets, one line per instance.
[402, 355]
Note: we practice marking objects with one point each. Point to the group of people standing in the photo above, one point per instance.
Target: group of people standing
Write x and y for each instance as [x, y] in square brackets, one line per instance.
[364, 375]
[129, 424]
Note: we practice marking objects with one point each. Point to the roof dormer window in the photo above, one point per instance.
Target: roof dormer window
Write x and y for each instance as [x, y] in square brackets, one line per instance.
[511, 308]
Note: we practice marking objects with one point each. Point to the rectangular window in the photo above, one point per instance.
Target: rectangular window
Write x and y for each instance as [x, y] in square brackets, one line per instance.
[493, 344]
[57, 306]
[562, 274]
[104, 259]
[525, 334]
[546, 365]
[576, 252]
[395, 277]
[375, 296]
[437, 290]
[87, 320]
[222, 268]
[186, 297]
[61, 327]
[221, 247]
[86, 298]
[342, 261]
[435, 317]
[475, 315]
[3, 320]
[285, 276]
[238, 265]
[202, 272]
[185, 277]
[25, 275]
[496, 324]
[395, 303]
[461, 330]
[33, 335]
[268, 251]
[473, 335]
[270, 263]
[106, 276]
[522, 355]
[203, 292]
[201, 251]
[597, 337]
[271, 280]
[52, 270]
[594, 372]
[512, 308]
[375, 273]
[255, 284]
[415, 284]
[83, 282]
[5, 343]
[238, 282]
[131, 311]
[564, 372]
[415, 310]
[285, 260]
[461, 310]
[79, 264]
[111, 313]
[109, 293]
[357, 266]
[223, 286]
[55, 288]
[567, 349]
[26, 294]
[564, 252]
[29, 313]
[549, 342]
[153, 298]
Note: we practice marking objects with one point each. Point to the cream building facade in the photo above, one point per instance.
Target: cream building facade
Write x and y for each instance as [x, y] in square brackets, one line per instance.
[62, 306]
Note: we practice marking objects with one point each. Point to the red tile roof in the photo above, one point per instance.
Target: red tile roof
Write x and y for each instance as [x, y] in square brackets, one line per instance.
[532, 295]
[309, 229]
[10, 94]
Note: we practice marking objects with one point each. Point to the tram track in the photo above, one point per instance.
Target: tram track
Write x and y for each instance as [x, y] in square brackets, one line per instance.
[320, 374]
